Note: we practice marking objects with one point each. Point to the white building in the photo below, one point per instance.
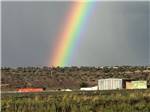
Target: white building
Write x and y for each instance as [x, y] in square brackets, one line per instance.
[110, 84]
[89, 88]
[66, 90]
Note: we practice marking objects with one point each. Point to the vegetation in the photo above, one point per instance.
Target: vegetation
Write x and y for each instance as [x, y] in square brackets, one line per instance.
[83, 84]
[67, 77]
[100, 101]
[73, 78]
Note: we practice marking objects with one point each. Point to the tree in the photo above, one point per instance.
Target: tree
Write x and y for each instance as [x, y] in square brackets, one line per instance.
[83, 84]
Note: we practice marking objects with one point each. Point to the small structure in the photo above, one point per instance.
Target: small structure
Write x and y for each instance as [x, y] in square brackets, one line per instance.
[136, 84]
[110, 84]
[115, 67]
[66, 90]
[26, 90]
[89, 88]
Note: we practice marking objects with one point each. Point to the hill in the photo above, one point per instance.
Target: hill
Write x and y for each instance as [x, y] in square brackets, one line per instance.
[67, 77]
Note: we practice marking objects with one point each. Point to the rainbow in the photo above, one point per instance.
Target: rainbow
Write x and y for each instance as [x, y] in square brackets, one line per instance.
[71, 33]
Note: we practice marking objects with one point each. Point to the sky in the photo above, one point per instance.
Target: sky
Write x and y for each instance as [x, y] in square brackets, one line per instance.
[116, 33]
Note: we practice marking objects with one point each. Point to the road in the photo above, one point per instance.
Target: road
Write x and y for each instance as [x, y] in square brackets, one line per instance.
[47, 91]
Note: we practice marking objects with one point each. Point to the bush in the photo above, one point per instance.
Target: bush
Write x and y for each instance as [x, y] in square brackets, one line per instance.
[83, 84]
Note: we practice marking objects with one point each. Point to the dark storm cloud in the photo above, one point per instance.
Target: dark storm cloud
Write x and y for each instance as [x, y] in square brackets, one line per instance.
[29, 30]
[149, 30]
[116, 33]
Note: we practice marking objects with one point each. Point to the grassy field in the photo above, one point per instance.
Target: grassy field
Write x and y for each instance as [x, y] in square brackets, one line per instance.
[99, 101]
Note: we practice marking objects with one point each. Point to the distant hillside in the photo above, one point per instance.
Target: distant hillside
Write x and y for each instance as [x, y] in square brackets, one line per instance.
[67, 77]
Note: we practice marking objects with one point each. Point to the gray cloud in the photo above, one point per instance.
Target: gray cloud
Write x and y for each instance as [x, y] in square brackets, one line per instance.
[116, 33]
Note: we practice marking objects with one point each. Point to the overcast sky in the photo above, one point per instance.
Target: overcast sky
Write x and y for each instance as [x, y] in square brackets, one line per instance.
[116, 33]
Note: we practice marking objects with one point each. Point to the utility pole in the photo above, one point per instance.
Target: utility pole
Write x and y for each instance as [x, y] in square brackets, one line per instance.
[51, 73]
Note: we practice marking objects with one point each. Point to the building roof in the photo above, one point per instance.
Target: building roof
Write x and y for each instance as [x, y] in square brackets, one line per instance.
[111, 79]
